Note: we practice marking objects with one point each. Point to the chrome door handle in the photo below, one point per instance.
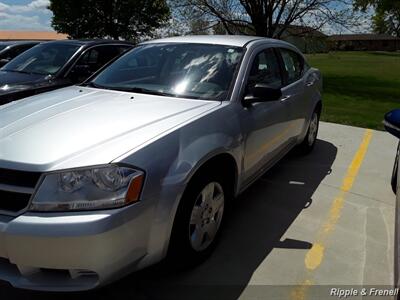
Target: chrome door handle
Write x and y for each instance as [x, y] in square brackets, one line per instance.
[285, 98]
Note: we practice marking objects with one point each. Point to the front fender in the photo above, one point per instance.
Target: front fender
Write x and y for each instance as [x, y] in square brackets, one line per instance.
[171, 161]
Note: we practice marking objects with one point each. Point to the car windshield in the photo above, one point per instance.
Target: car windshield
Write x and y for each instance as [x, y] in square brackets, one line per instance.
[196, 71]
[45, 59]
[3, 47]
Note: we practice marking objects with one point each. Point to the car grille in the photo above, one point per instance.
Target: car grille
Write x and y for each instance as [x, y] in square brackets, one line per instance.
[16, 188]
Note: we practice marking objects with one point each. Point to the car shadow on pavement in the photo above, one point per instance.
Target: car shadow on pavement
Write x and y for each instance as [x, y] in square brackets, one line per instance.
[255, 226]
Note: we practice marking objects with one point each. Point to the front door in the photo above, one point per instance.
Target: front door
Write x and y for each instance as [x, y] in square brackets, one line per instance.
[267, 122]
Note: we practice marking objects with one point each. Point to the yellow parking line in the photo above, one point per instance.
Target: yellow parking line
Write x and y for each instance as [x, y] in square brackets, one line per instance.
[315, 255]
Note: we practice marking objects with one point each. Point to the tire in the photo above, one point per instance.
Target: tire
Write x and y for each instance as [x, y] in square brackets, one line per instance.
[198, 220]
[395, 170]
[307, 145]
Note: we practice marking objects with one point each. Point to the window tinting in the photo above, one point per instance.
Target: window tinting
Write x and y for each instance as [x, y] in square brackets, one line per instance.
[265, 70]
[293, 64]
[122, 49]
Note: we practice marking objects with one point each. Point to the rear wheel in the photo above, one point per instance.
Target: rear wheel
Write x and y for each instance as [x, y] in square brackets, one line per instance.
[307, 145]
[198, 220]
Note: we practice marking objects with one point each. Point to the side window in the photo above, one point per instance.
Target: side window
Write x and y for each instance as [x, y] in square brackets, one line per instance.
[92, 60]
[86, 65]
[89, 57]
[293, 64]
[22, 48]
[265, 70]
[14, 51]
[122, 49]
[97, 57]
[106, 53]
[7, 54]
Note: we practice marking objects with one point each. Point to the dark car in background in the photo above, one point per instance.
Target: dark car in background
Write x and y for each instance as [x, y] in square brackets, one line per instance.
[56, 64]
[392, 125]
[11, 49]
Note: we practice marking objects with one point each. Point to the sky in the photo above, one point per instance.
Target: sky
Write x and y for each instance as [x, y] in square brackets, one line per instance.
[33, 15]
[25, 15]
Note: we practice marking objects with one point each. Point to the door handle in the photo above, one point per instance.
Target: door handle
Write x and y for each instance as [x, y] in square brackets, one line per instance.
[285, 98]
[311, 83]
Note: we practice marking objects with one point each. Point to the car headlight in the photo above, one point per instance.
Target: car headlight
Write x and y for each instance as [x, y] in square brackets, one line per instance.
[98, 187]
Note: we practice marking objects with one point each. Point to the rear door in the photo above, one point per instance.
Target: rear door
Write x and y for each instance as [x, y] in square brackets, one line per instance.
[294, 91]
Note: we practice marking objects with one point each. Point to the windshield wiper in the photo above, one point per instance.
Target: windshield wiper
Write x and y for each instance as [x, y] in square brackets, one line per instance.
[123, 89]
[143, 91]
[95, 85]
[153, 92]
[138, 90]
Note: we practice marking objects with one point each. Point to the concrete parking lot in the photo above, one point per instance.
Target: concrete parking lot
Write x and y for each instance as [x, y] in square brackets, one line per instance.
[326, 219]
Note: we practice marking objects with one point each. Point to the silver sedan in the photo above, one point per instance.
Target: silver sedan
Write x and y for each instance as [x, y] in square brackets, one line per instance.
[141, 162]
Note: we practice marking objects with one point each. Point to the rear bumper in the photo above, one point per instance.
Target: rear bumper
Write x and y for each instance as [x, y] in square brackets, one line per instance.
[70, 252]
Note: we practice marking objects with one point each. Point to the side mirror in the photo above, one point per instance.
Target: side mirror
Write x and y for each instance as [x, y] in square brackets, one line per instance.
[392, 122]
[262, 93]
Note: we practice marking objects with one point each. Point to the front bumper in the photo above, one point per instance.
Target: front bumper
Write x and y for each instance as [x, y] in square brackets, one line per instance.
[72, 251]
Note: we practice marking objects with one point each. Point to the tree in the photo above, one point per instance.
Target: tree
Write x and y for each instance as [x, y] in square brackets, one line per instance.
[387, 14]
[270, 18]
[126, 19]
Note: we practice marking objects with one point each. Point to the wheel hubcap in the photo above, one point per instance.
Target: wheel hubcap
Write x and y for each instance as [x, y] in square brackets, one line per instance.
[206, 216]
[313, 129]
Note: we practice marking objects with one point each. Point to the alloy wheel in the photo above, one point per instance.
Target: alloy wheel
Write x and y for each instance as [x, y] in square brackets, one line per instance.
[313, 129]
[206, 216]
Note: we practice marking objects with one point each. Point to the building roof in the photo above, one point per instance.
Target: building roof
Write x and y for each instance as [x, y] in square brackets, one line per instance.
[363, 37]
[31, 35]
[228, 40]
[298, 30]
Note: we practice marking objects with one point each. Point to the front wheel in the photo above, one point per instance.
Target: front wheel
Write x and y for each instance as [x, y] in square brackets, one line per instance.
[198, 220]
[307, 145]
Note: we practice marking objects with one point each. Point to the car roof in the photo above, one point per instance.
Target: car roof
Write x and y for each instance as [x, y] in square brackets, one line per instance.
[89, 42]
[228, 40]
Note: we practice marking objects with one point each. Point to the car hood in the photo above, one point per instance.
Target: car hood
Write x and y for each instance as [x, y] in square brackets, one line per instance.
[10, 79]
[77, 126]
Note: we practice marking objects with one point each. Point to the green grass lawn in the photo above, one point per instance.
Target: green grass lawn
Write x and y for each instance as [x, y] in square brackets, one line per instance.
[359, 87]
